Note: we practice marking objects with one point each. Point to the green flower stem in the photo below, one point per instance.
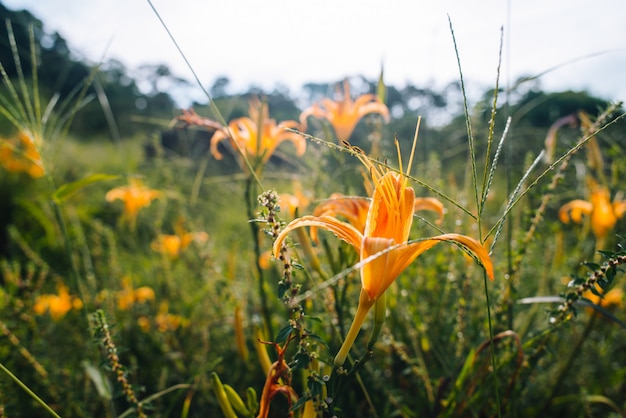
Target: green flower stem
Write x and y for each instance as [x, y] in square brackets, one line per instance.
[250, 199]
[365, 304]
[380, 310]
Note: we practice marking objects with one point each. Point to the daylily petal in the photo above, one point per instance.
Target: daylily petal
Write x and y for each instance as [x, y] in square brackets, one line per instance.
[342, 230]
[391, 210]
[602, 216]
[381, 274]
[354, 209]
[217, 137]
[574, 211]
[619, 208]
[429, 203]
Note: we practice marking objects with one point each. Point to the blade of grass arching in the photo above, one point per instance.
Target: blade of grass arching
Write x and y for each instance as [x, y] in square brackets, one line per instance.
[28, 391]
[468, 123]
[488, 174]
[11, 107]
[106, 109]
[212, 105]
[75, 101]
[34, 75]
[30, 114]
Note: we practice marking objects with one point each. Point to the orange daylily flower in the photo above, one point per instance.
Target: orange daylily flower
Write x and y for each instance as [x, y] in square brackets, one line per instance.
[129, 296]
[245, 133]
[57, 305]
[21, 155]
[135, 196]
[383, 245]
[345, 113]
[297, 201]
[603, 214]
[174, 245]
[613, 297]
[355, 209]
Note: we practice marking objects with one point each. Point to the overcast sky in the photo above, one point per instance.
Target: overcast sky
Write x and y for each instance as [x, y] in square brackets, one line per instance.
[265, 42]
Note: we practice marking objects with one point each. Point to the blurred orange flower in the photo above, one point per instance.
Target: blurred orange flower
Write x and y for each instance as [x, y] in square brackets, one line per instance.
[296, 202]
[57, 305]
[613, 297]
[20, 155]
[603, 214]
[166, 321]
[344, 114]
[383, 244]
[245, 133]
[135, 196]
[174, 245]
[128, 296]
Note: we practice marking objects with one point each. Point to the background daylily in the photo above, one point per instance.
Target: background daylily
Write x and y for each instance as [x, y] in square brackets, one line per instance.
[135, 196]
[57, 305]
[383, 244]
[20, 154]
[344, 114]
[602, 212]
[173, 245]
[258, 135]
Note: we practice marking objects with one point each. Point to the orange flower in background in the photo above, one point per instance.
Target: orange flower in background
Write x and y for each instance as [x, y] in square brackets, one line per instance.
[135, 196]
[613, 297]
[57, 305]
[20, 155]
[383, 245]
[344, 114]
[174, 245]
[602, 212]
[191, 118]
[295, 202]
[245, 133]
[128, 296]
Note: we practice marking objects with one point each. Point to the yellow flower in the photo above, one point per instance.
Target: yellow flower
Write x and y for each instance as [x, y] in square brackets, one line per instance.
[135, 196]
[383, 245]
[57, 305]
[166, 321]
[21, 155]
[296, 202]
[173, 245]
[128, 296]
[613, 297]
[345, 113]
[603, 214]
[245, 132]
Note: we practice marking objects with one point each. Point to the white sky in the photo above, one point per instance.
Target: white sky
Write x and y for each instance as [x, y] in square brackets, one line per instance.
[265, 42]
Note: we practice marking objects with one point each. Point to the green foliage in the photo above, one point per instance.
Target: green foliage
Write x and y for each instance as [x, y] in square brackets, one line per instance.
[101, 318]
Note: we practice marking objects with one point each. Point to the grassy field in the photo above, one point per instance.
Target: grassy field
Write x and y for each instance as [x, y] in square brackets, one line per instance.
[235, 282]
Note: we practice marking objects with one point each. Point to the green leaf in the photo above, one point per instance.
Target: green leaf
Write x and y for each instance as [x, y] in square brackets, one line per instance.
[66, 191]
[284, 333]
[99, 380]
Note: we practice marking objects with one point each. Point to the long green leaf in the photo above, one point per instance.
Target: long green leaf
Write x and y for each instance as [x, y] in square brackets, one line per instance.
[67, 190]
